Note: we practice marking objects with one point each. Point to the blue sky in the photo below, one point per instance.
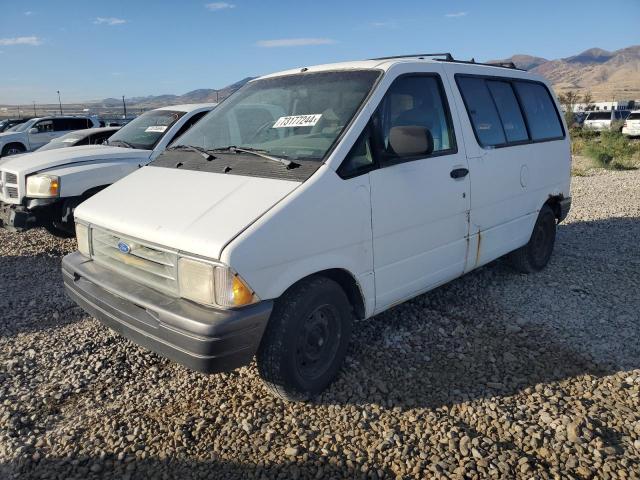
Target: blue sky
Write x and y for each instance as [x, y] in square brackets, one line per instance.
[92, 50]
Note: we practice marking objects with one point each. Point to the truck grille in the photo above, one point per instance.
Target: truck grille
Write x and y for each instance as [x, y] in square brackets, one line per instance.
[9, 186]
[144, 263]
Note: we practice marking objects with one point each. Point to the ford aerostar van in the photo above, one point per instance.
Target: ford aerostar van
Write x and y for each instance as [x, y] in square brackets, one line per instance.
[320, 195]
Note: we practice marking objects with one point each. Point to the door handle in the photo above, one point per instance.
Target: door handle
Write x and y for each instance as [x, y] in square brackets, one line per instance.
[459, 173]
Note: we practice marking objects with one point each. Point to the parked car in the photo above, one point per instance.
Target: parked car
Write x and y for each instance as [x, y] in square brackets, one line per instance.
[44, 188]
[605, 120]
[316, 196]
[631, 125]
[90, 136]
[37, 132]
[11, 122]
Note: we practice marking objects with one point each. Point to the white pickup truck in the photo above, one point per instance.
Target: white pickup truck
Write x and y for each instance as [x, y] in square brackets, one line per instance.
[43, 188]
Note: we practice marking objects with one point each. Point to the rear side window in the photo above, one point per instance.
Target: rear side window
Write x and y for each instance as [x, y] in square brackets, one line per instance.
[542, 116]
[507, 104]
[634, 116]
[482, 111]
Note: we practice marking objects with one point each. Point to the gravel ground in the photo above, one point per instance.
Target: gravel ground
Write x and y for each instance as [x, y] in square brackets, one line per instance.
[496, 374]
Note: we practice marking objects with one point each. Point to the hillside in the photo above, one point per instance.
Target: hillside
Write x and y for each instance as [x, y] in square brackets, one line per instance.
[607, 75]
[201, 95]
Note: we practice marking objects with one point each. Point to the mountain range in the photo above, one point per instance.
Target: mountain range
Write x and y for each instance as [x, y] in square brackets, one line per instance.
[607, 75]
[201, 95]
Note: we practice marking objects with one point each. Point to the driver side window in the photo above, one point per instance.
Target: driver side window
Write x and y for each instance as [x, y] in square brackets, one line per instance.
[415, 111]
[416, 101]
[44, 126]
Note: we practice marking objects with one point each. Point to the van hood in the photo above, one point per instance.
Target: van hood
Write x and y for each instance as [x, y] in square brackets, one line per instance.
[194, 212]
[38, 161]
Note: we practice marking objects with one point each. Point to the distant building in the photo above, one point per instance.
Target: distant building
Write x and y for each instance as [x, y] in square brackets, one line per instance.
[613, 105]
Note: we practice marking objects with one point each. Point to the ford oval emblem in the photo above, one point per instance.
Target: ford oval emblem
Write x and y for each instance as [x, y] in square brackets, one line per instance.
[123, 247]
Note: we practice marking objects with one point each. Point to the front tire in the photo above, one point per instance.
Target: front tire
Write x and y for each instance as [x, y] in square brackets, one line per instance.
[306, 340]
[535, 255]
[13, 149]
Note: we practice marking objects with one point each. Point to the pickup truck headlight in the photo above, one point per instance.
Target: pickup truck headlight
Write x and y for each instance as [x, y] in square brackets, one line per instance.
[211, 284]
[82, 235]
[43, 186]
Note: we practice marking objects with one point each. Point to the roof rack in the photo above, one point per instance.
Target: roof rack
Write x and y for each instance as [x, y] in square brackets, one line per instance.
[449, 58]
[503, 65]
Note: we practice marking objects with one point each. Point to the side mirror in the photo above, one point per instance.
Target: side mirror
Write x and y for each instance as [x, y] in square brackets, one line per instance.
[410, 141]
[34, 130]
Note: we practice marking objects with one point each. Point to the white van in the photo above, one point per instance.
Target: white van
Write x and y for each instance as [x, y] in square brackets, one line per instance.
[603, 120]
[43, 188]
[316, 196]
[631, 125]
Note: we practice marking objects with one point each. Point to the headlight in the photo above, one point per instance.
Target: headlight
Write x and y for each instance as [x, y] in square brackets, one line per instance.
[43, 186]
[211, 284]
[82, 235]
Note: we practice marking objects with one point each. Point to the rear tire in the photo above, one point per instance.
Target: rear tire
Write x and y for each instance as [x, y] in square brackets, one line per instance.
[306, 339]
[535, 255]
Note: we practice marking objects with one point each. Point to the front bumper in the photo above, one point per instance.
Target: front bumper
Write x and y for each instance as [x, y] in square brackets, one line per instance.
[16, 217]
[20, 218]
[203, 339]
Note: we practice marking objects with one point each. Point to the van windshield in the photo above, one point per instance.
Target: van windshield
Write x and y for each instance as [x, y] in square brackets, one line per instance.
[296, 117]
[145, 131]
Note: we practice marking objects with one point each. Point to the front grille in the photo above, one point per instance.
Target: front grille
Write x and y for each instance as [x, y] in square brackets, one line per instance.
[9, 186]
[144, 263]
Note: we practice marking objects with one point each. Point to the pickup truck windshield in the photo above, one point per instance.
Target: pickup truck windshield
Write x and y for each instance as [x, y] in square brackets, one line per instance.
[297, 117]
[145, 131]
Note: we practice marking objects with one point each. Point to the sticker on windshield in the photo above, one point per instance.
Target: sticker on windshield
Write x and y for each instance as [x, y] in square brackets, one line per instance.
[156, 128]
[70, 140]
[297, 121]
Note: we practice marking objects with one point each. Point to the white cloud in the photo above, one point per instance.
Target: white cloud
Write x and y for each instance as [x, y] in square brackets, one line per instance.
[390, 24]
[28, 13]
[294, 42]
[32, 40]
[111, 21]
[219, 6]
[456, 15]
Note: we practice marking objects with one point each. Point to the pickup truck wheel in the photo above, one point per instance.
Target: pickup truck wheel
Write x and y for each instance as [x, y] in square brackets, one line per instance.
[535, 255]
[306, 340]
[60, 229]
[13, 149]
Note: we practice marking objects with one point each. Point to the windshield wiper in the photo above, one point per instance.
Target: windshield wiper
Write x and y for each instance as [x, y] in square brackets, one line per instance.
[260, 153]
[202, 151]
[124, 144]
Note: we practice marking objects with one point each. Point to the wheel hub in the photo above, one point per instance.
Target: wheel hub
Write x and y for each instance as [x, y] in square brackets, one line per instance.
[318, 341]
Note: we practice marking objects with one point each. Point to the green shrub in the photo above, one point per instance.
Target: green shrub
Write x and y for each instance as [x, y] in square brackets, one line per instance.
[611, 150]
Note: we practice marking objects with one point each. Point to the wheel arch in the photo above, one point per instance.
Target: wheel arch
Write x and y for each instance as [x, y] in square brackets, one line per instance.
[347, 282]
[18, 144]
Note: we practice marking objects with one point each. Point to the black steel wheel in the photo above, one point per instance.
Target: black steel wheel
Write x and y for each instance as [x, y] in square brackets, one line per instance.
[306, 339]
